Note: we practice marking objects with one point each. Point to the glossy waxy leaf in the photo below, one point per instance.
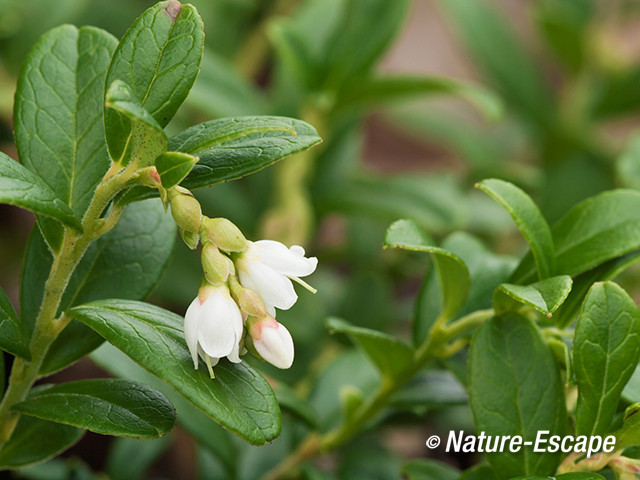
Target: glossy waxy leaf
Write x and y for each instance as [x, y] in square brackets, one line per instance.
[544, 296]
[593, 232]
[515, 389]
[173, 167]
[58, 116]
[23, 188]
[35, 441]
[529, 219]
[389, 355]
[207, 432]
[146, 139]
[239, 398]
[158, 58]
[606, 350]
[126, 263]
[106, 406]
[12, 338]
[452, 272]
[231, 148]
[380, 90]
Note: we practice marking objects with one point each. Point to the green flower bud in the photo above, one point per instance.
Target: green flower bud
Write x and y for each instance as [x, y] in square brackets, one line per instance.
[249, 301]
[190, 239]
[225, 235]
[185, 209]
[214, 265]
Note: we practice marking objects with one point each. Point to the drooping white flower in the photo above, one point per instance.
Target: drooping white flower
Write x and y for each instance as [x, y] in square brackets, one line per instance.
[267, 268]
[272, 341]
[213, 326]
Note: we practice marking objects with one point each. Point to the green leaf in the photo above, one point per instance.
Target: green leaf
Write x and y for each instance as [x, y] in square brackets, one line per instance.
[158, 58]
[126, 262]
[486, 270]
[544, 296]
[106, 406]
[629, 434]
[239, 399]
[391, 356]
[12, 337]
[515, 389]
[58, 116]
[606, 350]
[452, 272]
[21, 187]
[173, 167]
[377, 90]
[583, 282]
[497, 51]
[430, 389]
[231, 148]
[36, 440]
[206, 432]
[429, 470]
[145, 140]
[594, 231]
[530, 221]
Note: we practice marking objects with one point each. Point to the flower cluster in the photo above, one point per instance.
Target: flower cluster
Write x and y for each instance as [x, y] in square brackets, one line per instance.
[243, 284]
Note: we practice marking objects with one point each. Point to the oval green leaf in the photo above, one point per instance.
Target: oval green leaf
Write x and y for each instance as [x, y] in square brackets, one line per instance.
[515, 389]
[529, 219]
[35, 441]
[606, 350]
[544, 296]
[593, 232]
[173, 167]
[146, 138]
[158, 58]
[452, 272]
[58, 116]
[238, 398]
[23, 188]
[391, 356]
[107, 406]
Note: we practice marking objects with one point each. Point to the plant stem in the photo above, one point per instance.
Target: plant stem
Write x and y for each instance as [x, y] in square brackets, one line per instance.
[48, 326]
[434, 347]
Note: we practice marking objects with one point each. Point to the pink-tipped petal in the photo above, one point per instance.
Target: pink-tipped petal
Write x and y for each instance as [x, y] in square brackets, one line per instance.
[275, 344]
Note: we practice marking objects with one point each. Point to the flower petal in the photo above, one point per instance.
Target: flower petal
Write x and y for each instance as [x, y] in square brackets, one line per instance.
[191, 321]
[288, 261]
[275, 345]
[217, 331]
[274, 288]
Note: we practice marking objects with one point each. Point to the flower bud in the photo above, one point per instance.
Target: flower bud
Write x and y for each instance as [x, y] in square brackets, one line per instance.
[214, 265]
[225, 235]
[271, 340]
[190, 239]
[249, 301]
[185, 209]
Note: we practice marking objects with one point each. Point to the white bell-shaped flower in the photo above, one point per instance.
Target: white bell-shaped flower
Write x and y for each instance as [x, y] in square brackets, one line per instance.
[272, 341]
[213, 326]
[267, 268]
